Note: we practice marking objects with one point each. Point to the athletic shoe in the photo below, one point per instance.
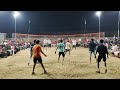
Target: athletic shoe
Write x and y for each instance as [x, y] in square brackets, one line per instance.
[105, 70]
[33, 73]
[97, 71]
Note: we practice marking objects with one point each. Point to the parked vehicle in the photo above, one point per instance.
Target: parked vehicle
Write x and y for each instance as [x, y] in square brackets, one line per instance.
[3, 52]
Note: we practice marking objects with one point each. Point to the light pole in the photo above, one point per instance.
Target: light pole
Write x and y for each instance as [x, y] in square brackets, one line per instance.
[99, 14]
[15, 15]
[85, 26]
[28, 30]
[118, 24]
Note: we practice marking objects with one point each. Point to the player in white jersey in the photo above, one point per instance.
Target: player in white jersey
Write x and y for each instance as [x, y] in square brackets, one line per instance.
[74, 43]
[45, 44]
[67, 47]
[49, 43]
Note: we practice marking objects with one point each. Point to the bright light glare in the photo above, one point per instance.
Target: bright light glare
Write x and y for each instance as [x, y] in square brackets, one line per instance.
[16, 14]
[98, 13]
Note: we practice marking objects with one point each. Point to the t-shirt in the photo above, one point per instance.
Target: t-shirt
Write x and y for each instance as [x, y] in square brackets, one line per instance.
[67, 46]
[74, 42]
[102, 50]
[92, 46]
[36, 50]
[61, 47]
[31, 46]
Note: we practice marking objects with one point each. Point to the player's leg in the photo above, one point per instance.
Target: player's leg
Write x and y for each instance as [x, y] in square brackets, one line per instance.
[59, 56]
[94, 53]
[104, 59]
[40, 61]
[65, 51]
[69, 51]
[90, 55]
[35, 60]
[99, 59]
[63, 55]
[30, 57]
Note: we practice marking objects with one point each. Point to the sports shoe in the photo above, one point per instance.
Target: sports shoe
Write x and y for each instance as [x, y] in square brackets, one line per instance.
[33, 73]
[97, 71]
[28, 64]
[45, 72]
[105, 70]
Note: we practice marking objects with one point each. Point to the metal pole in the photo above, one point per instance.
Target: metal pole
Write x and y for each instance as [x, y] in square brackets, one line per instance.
[15, 28]
[14, 38]
[99, 27]
[28, 30]
[85, 27]
[118, 23]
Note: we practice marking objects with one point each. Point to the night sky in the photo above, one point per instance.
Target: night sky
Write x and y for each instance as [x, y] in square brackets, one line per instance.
[58, 22]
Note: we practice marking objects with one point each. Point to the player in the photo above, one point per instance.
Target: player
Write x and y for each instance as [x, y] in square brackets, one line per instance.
[67, 47]
[36, 52]
[92, 48]
[31, 46]
[61, 49]
[102, 50]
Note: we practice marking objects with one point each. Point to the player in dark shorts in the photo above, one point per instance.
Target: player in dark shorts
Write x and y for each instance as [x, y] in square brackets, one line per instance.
[61, 48]
[31, 46]
[92, 48]
[102, 50]
[36, 52]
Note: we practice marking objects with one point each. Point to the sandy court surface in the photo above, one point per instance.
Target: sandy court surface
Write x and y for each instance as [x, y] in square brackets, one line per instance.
[75, 66]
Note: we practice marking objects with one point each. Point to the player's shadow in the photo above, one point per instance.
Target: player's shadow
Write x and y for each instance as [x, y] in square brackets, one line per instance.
[102, 73]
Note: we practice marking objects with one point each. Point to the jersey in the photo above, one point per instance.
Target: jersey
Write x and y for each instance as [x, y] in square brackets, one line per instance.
[36, 50]
[61, 47]
[92, 46]
[67, 46]
[102, 50]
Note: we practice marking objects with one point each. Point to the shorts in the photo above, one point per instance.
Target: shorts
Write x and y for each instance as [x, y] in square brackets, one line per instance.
[74, 45]
[92, 51]
[67, 50]
[45, 45]
[37, 59]
[63, 54]
[101, 57]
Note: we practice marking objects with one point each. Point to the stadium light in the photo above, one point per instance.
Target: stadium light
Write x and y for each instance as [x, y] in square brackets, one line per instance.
[98, 14]
[15, 15]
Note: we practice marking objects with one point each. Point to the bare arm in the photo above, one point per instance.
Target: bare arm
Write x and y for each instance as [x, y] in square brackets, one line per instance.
[43, 52]
[56, 49]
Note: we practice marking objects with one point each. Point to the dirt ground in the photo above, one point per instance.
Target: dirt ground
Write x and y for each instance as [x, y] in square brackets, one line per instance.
[75, 66]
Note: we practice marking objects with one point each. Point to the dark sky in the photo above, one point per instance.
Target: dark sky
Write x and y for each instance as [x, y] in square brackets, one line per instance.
[58, 21]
